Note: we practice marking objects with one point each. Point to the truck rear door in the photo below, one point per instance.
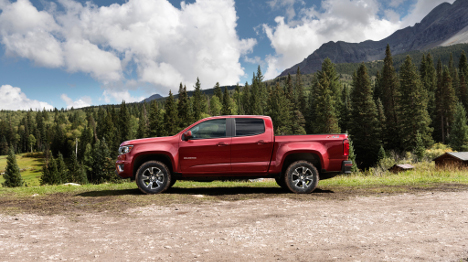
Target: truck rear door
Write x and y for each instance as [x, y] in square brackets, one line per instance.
[251, 145]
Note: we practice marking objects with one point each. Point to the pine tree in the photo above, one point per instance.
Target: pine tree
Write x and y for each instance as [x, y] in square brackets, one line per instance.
[199, 103]
[246, 99]
[326, 121]
[463, 64]
[412, 110]
[301, 98]
[50, 173]
[345, 111]
[171, 119]
[124, 123]
[143, 124]
[459, 133]
[289, 90]
[377, 86]
[262, 91]
[12, 174]
[446, 104]
[255, 103]
[463, 91]
[310, 116]
[62, 174]
[381, 154]
[218, 92]
[83, 178]
[429, 81]
[352, 155]
[155, 120]
[74, 170]
[183, 108]
[4, 149]
[419, 150]
[238, 100]
[226, 110]
[215, 106]
[88, 162]
[279, 111]
[107, 164]
[98, 160]
[382, 120]
[364, 126]
[85, 138]
[46, 178]
[390, 95]
[328, 71]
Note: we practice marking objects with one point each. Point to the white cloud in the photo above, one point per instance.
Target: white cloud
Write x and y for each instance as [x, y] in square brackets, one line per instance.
[82, 102]
[165, 45]
[256, 60]
[338, 20]
[287, 5]
[11, 98]
[120, 96]
[396, 3]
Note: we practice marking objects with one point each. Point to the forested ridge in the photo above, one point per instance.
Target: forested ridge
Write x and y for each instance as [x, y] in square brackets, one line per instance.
[394, 110]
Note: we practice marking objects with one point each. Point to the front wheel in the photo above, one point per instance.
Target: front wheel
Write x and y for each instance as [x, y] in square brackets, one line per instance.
[153, 177]
[301, 177]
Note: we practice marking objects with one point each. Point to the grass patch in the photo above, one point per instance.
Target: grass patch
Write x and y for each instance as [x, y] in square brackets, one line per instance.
[30, 167]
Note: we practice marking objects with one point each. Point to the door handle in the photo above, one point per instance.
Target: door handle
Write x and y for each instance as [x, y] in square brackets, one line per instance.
[222, 144]
[261, 142]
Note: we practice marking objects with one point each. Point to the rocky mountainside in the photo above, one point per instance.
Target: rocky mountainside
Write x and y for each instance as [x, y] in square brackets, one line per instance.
[447, 24]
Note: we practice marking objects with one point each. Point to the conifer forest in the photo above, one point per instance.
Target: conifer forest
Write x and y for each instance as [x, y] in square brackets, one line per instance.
[399, 109]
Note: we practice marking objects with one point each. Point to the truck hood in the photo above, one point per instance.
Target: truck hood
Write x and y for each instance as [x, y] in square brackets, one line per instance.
[148, 140]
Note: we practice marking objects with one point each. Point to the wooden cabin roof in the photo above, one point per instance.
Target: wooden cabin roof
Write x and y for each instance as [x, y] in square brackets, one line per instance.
[463, 156]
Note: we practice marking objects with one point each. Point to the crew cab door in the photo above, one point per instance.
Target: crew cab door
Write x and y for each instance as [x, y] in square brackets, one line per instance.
[252, 145]
[208, 151]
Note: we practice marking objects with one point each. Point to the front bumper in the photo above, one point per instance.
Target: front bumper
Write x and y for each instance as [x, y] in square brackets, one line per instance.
[123, 169]
[346, 166]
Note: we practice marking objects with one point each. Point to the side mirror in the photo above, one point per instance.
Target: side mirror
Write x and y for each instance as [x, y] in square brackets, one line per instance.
[187, 135]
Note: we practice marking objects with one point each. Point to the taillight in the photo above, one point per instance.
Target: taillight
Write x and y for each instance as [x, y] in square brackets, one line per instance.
[346, 147]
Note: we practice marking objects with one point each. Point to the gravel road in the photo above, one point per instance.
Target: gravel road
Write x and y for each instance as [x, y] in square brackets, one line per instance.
[407, 227]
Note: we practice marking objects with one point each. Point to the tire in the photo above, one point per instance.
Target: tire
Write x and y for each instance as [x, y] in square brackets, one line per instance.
[281, 182]
[153, 177]
[301, 177]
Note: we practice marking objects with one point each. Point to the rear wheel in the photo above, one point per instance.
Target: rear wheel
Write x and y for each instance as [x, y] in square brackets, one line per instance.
[153, 177]
[301, 177]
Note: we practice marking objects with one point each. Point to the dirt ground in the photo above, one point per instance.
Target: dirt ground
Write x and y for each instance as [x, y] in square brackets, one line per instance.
[428, 226]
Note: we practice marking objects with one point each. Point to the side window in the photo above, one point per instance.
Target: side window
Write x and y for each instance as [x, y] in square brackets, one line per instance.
[209, 129]
[249, 126]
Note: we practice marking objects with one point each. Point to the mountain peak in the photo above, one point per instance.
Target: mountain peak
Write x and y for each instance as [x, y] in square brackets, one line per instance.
[446, 24]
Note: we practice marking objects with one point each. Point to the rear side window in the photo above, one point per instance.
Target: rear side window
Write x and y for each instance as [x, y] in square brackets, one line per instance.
[249, 126]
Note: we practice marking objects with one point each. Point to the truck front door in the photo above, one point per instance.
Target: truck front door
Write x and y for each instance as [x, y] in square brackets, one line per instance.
[208, 151]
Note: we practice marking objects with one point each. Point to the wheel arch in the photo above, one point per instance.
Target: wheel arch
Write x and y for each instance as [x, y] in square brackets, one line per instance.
[143, 158]
[311, 157]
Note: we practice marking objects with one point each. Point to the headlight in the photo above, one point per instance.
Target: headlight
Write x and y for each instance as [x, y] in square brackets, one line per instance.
[125, 149]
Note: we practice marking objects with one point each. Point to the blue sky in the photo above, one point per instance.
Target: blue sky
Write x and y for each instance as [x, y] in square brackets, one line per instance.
[67, 53]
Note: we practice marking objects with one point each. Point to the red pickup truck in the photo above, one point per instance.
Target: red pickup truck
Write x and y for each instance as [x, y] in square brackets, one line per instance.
[233, 147]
